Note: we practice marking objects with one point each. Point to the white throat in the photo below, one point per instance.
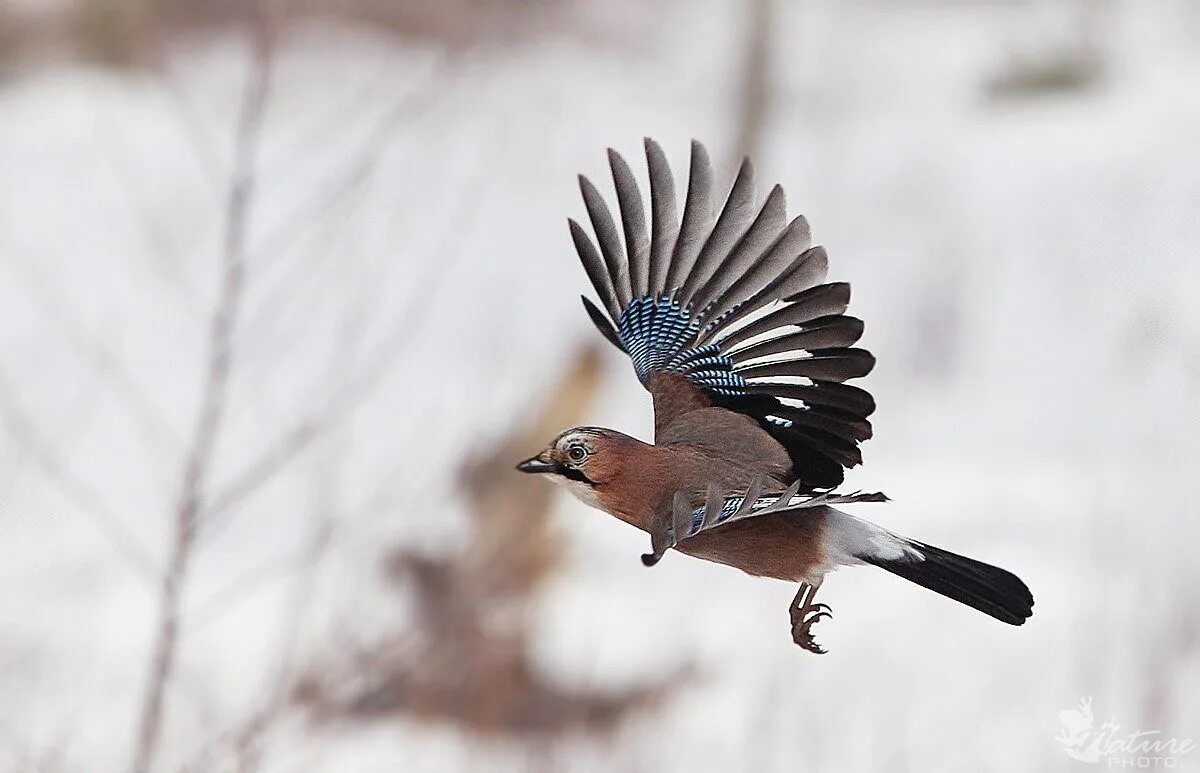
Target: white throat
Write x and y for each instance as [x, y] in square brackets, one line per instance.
[580, 490]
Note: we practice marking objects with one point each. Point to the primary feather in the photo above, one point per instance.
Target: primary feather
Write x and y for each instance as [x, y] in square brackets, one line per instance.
[732, 301]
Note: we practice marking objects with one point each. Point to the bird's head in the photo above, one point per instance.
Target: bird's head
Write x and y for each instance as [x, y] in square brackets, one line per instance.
[584, 459]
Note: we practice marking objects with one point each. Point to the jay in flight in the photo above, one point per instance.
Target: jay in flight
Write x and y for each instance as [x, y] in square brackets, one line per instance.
[745, 351]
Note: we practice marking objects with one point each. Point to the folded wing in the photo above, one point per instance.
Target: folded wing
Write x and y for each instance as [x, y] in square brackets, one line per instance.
[684, 521]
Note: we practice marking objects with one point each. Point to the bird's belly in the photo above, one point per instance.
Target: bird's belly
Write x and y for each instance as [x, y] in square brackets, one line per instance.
[784, 547]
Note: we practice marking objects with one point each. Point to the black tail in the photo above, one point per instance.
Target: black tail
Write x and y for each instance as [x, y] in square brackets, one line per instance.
[988, 588]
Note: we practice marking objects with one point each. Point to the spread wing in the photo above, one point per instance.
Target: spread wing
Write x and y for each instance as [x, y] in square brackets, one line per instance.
[720, 508]
[728, 307]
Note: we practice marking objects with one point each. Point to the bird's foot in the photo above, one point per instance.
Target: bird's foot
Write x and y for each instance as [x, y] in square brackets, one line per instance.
[805, 614]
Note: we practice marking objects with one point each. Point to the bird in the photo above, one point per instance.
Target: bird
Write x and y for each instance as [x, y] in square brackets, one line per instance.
[746, 351]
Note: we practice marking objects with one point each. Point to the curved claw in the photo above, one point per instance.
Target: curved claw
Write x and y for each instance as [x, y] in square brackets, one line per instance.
[806, 613]
[650, 559]
[806, 642]
[811, 614]
[803, 621]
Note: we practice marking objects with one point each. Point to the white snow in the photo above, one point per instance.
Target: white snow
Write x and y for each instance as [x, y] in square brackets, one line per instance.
[1026, 267]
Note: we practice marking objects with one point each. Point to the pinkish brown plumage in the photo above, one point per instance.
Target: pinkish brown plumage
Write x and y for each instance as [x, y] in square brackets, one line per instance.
[746, 355]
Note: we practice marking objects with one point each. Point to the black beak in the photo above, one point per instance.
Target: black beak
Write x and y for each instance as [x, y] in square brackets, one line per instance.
[536, 465]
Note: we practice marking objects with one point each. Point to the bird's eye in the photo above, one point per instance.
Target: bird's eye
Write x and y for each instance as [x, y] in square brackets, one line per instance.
[576, 453]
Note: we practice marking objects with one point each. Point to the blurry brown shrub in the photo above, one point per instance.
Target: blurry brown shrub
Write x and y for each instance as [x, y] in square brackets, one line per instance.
[128, 33]
[467, 659]
[458, 23]
[1064, 72]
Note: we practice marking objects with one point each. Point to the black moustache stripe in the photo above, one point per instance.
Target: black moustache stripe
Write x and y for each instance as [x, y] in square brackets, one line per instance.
[573, 474]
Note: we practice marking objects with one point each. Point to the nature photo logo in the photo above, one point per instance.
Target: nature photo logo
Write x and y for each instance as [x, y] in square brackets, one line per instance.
[1110, 745]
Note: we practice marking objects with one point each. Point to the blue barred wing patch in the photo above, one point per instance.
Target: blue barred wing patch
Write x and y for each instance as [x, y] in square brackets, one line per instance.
[658, 334]
[731, 505]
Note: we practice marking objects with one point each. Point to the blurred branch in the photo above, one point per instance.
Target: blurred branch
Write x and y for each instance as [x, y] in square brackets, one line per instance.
[261, 470]
[156, 430]
[246, 740]
[378, 89]
[212, 408]
[79, 493]
[755, 91]
[426, 289]
[469, 658]
[329, 196]
[159, 245]
[191, 122]
[249, 740]
[241, 587]
[23, 756]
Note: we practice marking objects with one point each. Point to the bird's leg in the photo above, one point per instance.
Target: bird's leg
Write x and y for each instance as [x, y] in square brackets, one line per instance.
[804, 614]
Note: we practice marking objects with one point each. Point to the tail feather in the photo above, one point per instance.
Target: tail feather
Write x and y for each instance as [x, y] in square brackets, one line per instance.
[990, 589]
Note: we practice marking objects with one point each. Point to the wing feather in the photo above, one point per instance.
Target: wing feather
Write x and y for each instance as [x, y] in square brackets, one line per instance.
[664, 220]
[733, 221]
[731, 306]
[633, 220]
[795, 239]
[593, 264]
[751, 249]
[719, 509]
[819, 333]
[823, 300]
[824, 364]
[697, 218]
[609, 239]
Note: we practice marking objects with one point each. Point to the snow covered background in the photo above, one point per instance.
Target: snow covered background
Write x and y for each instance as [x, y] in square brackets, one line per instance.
[1026, 262]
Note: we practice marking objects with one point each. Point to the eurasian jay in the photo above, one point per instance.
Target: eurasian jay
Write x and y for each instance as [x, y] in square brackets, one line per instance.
[745, 352]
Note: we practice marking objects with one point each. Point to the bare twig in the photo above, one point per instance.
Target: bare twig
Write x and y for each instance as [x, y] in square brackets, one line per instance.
[208, 424]
[756, 77]
[267, 464]
[153, 425]
[326, 199]
[249, 743]
[77, 491]
[246, 740]
[381, 359]
[191, 122]
[244, 585]
[156, 237]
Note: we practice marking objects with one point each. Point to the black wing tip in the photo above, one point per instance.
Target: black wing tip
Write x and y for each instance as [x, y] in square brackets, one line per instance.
[864, 357]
